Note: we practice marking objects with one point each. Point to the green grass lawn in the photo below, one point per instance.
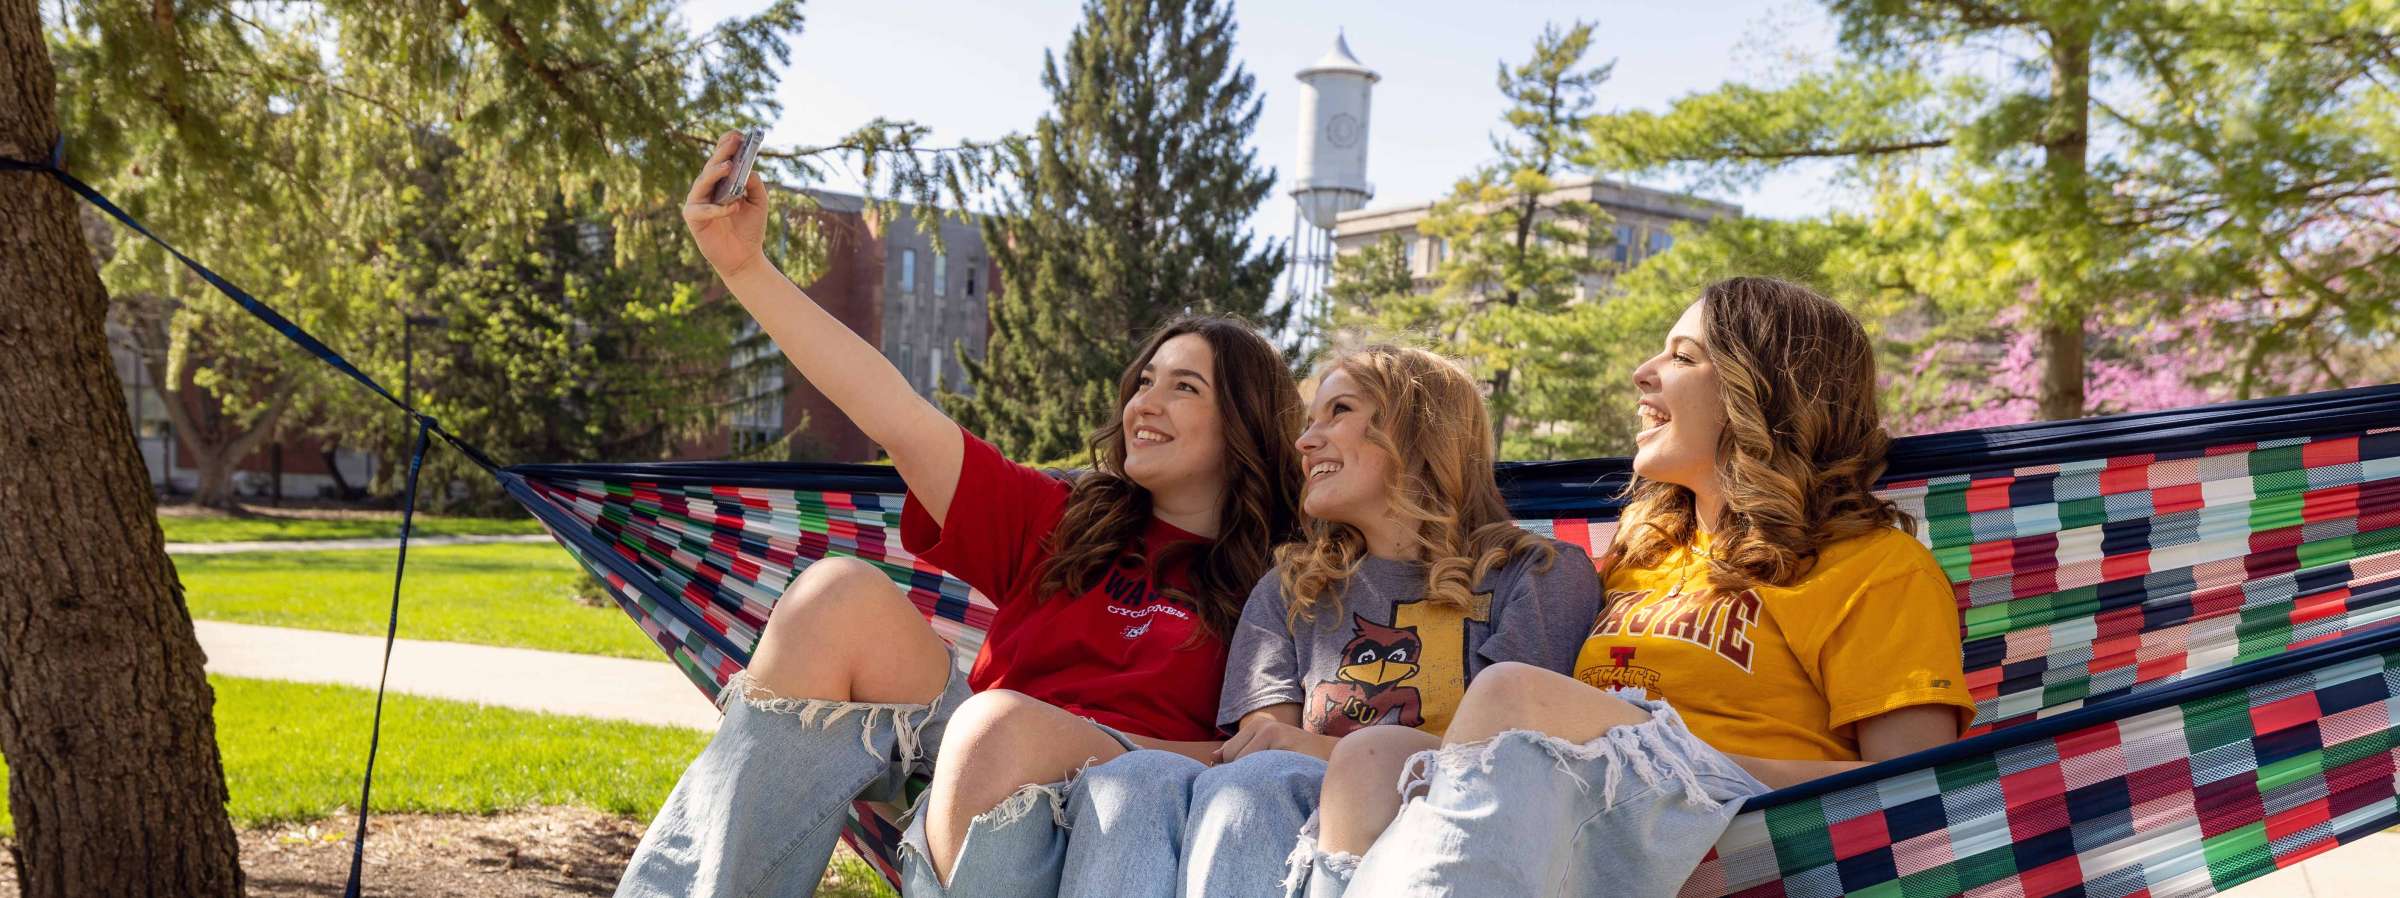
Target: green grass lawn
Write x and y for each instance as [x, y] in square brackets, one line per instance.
[222, 528]
[293, 752]
[494, 594]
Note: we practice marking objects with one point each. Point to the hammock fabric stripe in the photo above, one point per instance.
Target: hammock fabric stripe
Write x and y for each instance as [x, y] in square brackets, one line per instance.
[2184, 800]
[2178, 629]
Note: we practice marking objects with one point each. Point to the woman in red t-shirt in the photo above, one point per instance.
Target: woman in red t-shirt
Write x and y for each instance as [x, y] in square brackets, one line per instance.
[1113, 592]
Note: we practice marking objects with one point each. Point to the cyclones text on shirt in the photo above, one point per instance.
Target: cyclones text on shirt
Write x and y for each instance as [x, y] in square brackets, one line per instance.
[1131, 595]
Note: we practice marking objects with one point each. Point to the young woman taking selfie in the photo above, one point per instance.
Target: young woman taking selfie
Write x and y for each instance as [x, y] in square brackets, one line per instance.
[1114, 592]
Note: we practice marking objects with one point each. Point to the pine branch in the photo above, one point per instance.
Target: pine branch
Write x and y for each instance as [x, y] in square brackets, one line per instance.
[514, 39]
[962, 148]
[1982, 16]
[303, 80]
[1833, 152]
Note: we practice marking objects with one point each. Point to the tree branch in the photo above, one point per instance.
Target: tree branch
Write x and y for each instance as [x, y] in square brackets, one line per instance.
[962, 147]
[1982, 16]
[506, 29]
[1884, 149]
[304, 80]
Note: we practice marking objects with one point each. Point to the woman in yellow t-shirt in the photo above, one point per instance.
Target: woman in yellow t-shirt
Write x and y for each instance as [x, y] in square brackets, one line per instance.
[1764, 622]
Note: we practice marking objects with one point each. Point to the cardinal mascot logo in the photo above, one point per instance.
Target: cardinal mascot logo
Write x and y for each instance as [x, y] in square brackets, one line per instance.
[1367, 689]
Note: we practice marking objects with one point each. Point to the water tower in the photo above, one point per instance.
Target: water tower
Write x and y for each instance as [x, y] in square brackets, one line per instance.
[1332, 175]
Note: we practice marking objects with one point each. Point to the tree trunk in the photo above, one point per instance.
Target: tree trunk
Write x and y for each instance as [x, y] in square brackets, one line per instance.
[342, 488]
[104, 709]
[2062, 369]
[217, 440]
[2066, 159]
[1500, 406]
[212, 485]
[221, 445]
[1528, 207]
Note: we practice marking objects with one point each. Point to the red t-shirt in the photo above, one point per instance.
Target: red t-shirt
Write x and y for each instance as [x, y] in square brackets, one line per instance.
[1122, 653]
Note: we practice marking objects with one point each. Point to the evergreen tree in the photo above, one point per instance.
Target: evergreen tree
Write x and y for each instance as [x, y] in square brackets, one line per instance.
[1514, 256]
[1373, 294]
[546, 344]
[1131, 199]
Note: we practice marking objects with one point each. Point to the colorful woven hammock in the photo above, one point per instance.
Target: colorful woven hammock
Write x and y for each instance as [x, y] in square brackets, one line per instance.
[2178, 626]
[2179, 632]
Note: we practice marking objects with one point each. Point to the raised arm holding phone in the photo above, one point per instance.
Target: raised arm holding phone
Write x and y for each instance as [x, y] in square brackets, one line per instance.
[923, 443]
[1113, 592]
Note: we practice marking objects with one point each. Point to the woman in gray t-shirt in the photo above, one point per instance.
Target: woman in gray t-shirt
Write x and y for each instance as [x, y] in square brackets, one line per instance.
[1411, 579]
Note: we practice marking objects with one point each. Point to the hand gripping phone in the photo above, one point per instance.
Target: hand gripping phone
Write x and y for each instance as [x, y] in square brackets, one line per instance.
[730, 189]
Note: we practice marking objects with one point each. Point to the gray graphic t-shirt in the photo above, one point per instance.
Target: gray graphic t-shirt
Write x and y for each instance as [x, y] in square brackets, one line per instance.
[1385, 655]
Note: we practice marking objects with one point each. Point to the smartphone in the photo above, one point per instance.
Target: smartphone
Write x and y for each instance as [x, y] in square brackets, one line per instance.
[730, 189]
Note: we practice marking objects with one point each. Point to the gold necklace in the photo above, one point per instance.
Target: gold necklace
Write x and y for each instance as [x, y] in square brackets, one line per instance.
[1683, 572]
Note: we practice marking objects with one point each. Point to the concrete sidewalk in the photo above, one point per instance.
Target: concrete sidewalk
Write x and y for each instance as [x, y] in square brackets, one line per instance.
[652, 692]
[328, 545]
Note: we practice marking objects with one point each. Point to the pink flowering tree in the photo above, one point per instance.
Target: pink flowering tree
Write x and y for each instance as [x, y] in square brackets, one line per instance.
[2197, 357]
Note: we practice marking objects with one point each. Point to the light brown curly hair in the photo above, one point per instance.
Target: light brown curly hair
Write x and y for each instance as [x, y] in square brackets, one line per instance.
[1106, 512]
[1429, 417]
[1802, 447]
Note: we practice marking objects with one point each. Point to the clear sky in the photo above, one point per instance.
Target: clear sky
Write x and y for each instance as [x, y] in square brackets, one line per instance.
[972, 68]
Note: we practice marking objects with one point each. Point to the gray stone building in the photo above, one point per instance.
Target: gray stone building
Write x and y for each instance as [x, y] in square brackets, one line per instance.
[935, 300]
[1645, 219]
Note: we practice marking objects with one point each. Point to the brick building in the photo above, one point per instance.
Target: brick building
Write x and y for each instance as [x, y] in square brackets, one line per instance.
[890, 284]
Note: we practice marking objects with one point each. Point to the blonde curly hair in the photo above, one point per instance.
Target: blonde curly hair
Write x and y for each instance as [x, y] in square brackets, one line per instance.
[1429, 417]
[1802, 447]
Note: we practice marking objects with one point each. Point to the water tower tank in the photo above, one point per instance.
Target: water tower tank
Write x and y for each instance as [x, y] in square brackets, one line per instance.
[1332, 175]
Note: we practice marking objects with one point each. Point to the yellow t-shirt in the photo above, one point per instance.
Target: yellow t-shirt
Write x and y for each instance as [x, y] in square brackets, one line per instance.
[1784, 672]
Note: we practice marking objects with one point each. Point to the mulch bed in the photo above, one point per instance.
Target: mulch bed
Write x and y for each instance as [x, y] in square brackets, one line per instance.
[536, 852]
[532, 853]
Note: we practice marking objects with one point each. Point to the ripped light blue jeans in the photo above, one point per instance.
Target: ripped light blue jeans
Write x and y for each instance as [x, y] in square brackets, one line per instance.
[759, 811]
[1628, 814]
[1145, 824]
[1022, 848]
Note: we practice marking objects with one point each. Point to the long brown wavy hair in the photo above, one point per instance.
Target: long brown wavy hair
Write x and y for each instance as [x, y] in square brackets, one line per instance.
[1259, 408]
[1802, 447]
[1429, 417]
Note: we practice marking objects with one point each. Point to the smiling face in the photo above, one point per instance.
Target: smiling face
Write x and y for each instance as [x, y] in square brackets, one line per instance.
[1174, 431]
[1349, 475]
[1682, 409]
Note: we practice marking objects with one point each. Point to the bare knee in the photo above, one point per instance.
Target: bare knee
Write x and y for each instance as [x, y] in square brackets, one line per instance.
[836, 586]
[1376, 748]
[844, 631]
[1508, 689]
[1369, 761]
[1512, 696]
[1001, 741]
[992, 725]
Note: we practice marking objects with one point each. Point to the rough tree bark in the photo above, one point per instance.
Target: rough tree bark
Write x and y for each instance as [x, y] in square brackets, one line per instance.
[2066, 154]
[104, 709]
